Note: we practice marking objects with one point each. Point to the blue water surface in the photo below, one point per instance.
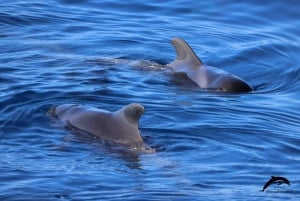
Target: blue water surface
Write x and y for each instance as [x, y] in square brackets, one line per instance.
[106, 54]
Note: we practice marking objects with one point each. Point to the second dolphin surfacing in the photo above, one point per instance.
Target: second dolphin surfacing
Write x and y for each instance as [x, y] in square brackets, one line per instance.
[206, 77]
[120, 126]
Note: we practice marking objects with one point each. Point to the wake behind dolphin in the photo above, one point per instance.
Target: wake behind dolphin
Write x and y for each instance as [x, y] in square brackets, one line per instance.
[120, 126]
[206, 77]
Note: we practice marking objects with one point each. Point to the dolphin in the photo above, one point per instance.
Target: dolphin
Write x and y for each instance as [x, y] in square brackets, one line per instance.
[278, 180]
[206, 77]
[120, 126]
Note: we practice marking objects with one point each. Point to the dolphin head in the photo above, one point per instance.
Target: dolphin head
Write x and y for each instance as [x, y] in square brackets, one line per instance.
[64, 109]
[231, 83]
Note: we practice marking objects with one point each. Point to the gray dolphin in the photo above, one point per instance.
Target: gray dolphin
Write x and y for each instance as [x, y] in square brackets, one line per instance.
[120, 126]
[206, 77]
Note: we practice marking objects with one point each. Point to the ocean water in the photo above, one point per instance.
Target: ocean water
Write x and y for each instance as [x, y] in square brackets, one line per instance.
[106, 54]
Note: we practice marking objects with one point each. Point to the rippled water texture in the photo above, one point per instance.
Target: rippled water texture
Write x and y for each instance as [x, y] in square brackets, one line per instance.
[106, 54]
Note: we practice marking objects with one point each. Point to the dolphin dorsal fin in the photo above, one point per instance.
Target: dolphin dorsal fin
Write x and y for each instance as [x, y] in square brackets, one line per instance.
[131, 113]
[185, 55]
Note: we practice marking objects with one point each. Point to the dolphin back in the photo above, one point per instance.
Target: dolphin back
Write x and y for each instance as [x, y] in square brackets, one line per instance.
[120, 126]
